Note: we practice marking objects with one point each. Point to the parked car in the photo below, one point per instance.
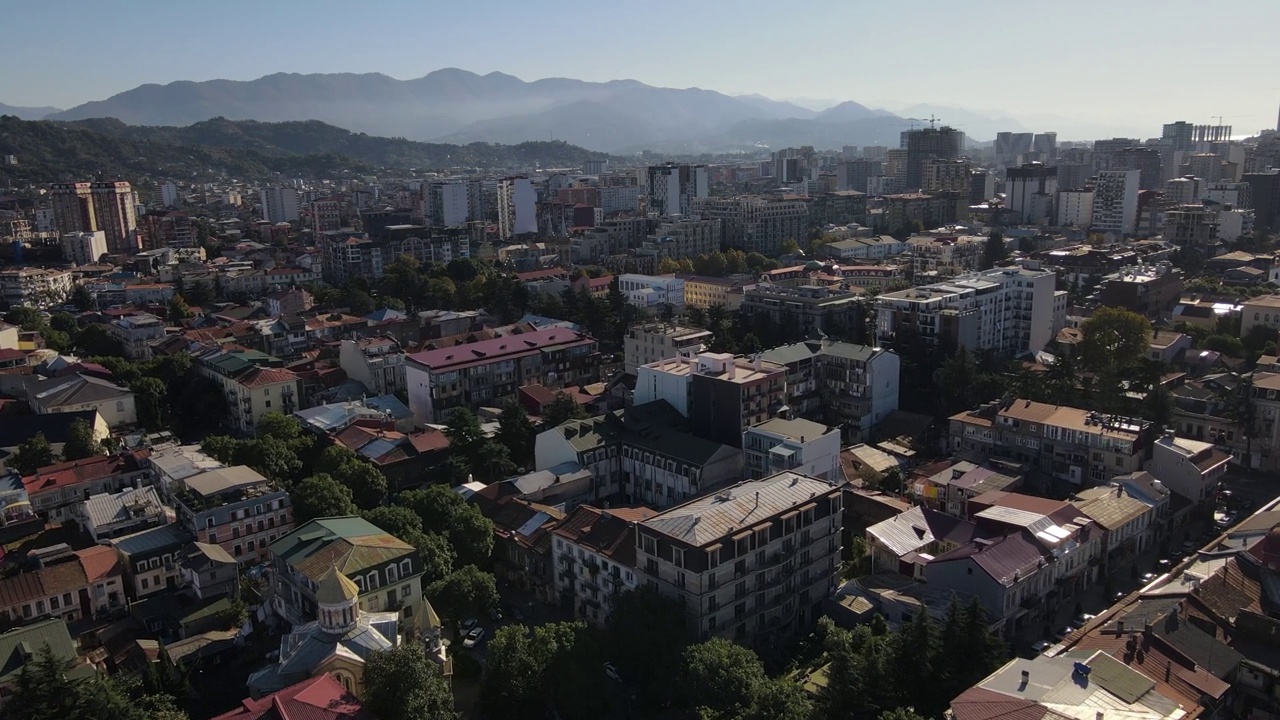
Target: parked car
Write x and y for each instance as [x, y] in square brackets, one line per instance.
[611, 672]
[1148, 577]
[1063, 633]
[515, 613]
[495, 615]
[1040, 646]
[1083, 618]
[468, 624]
[473, 637]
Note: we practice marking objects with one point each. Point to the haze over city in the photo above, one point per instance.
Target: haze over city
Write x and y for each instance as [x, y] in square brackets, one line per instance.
[1085, 69]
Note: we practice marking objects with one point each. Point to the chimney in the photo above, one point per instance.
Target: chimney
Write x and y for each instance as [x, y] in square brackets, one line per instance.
[1168, 669]
[757, 362]
[1026, 679]
[732, 368]
[1098, 715]
[1119, 627]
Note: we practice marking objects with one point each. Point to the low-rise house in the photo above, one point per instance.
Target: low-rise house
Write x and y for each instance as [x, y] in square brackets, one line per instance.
[253, 382]
[136, 333]
[236, 508]
[522, 548]
[19, 648]
[72, 393]
[1126, 522]
[594, 556]
[1190, 468]
[208, 571]
[778, 444]
[110, 515]
[906, 542]
[949, 486]
[150, 559]
[57, 492]
[67, 588]
[322, 697]
[1167, 346]
[386, 571]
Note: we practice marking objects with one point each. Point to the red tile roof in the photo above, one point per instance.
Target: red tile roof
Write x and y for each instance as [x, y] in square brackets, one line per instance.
[610, 533]
[429, 441]
[491, 350]
[74, 472]
[318, 698]
[99, 562]
[258, 377]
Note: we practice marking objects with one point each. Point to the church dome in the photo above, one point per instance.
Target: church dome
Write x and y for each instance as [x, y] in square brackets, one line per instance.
[336, 589]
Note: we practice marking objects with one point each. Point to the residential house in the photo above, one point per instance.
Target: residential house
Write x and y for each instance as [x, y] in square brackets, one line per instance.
[1167, 346]
[254, 384]
[64, 589]
[522, 548]
[136, 333]
[110, 515]
[752, 562]
[208, 571]
[650, 342]
[804, 446]
[17, 646]
[386, 571]
[1190, 468]
[853, 387]
[150, 559]
[949, 486]
[236, 508]
[594, 556]
[322, 697]
[377, 362]
[1128, 524]
[57, 492]
[73, 393]
[906, 542]
[721, 394]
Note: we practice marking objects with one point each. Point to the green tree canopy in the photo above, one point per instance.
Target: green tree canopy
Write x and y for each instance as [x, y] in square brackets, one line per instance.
[647, 635]
[719, 676]
[1115, 339]
[446, 513]
[33, 454]
[80, 441]
[367, 484]
[465, 592]
[516, 433]
[402, 684]
[562, 408]
[149, 398]
[320, 496]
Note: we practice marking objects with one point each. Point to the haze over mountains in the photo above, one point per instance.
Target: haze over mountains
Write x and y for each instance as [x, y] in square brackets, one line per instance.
[458, 106]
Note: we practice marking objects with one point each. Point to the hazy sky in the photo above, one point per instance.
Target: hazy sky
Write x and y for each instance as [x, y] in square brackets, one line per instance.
[1116, 63]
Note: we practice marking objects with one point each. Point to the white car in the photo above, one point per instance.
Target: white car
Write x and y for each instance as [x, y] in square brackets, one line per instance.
[611, 672]
[473, 637]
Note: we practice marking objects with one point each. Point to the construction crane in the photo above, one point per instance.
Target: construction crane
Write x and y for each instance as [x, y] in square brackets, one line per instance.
[931, 120]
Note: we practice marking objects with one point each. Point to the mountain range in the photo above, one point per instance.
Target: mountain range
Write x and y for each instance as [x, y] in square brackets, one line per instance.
[107, 147]
[458, 106]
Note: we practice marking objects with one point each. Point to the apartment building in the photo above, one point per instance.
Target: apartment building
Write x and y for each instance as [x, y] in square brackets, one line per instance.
[236, 508]
[115, 213]
[1007, 310]
[73, 393]
[279, 204]
[57, 491]
[488, 371]
[723, 395]
[754, 223]
[84, 248]
[806, 308]
[704, 292]
[1075, 446]
[35, 287]
[753, 562]
[253, 383]
[72, 205]
[74, 586]
[1150, 290]
[1263, 310]
[652, 292]
[326, 215]
[376, 362]
[347, 255]
[654, 341]
[1190, 468]
[803, 446]
[167, 229]
[678, 239]
[517, 212]
[593, 553]
[150, 559]
[946, 255]
[386, 570]
[1075, 208]
[672, 189]
[1115, 201]
[136, 333]
[876, 248]
[841, 384]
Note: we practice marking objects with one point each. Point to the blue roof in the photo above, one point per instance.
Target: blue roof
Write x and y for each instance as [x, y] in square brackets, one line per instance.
[385, 315]
[389, 404]
[150, 540]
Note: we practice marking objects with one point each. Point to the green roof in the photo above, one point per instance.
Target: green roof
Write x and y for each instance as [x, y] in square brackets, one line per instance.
[812, 348]
[20, 645]
[351, 543]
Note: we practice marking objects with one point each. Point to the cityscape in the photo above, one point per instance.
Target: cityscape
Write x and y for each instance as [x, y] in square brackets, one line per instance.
[735, 410]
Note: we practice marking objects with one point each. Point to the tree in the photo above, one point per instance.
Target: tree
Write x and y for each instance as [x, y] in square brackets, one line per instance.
[402, 684]
[285, 428]
[721, 676]
[33, 454]
[901, 713]
[495, 463]
[466, 592]
[781, 699]
[466, 438]
[646, 633]
[1226, 344]
[437, 555]
[179, 310]
[149, 399]
[80, 441]
[994, 251]
[513, 674]
[270, 456]
[320, 496]
[45, 691]
[1115, 339]
[445, 512]
[81, 298]
[561, 409]
[367, 484]
[221, 448]
[516, 433]
[332, 458]
[94, 341]
[360, 302]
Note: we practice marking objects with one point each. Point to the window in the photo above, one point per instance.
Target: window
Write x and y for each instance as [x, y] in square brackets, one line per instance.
[237, 551]
[53, 603]
[66, 599]
[406, 568]
[404, 591]
[392, 575]
[677, 557]
[213, 538]
[251, 548]
[145, 585]
[649, 545]
[373, 580]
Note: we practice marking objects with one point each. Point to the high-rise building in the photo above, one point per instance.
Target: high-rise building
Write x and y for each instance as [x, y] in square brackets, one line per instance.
[1073, 175]
[1045, 144]
[1178, 135]
[793, 165]
[943, 143]
[895, 170]
[982, 186]
[672, 188]
[1103, 150]
[169, 195]
[1144, 159]
[722, 394]
[1115, 201]
[1264, 198]
[595, 167]
[945, 176]
[115, 209]
[73, 207]
[856, 174]
[326, 215]
[448, 204]
[1032, 190]
[84, 248]
[1207, 166]
[1184, 190]
[279, 204]
[1010, 145]
[1075, 208]
[517, 207]
[756, 224]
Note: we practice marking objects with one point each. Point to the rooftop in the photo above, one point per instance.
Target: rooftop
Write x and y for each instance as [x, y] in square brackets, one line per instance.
[352, 544]
[216, 482]
[797, 429]
[76, 472]
[496, 348]
[609, 532]
[704, 520]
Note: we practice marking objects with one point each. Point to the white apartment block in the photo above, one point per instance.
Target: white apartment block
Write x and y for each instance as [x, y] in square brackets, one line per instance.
[136, 333]
[949, 255]
[1007, 310]
[279, 204]
[651, 342]
[1234, 223]
[757, 224]
[622, 198]
[673, 188]
[1075, 208]
[517, 211]
[84, 248]
[1235, 194]
[801, 446]
[1184, 190]
[652, 291]
[448, 204]
[1115, 201]
[753, 562]
[1190, 468]
[376, 362]
[35, 287]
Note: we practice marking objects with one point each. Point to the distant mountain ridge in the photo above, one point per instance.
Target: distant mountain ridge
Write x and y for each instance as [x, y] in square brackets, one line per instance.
[107, 147]
[458, 106]
[28, 113]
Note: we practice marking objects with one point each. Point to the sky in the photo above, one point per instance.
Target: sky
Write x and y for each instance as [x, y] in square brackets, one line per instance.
[1127, 65]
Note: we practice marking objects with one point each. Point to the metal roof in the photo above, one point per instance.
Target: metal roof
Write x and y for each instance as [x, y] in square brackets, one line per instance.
[704, 520]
